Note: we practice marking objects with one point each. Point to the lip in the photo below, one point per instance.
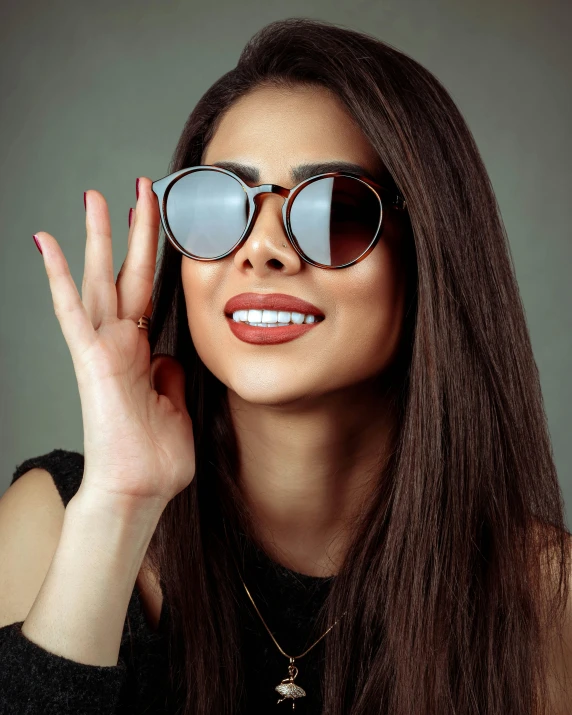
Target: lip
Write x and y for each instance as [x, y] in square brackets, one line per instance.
[268, 336]
[271, 301]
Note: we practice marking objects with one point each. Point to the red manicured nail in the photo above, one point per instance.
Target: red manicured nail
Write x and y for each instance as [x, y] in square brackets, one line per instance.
[84, 203]
[137, 188]
[38, 244]
[130, 217]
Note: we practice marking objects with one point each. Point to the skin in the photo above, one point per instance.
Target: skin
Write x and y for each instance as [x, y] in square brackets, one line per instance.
[311, 423]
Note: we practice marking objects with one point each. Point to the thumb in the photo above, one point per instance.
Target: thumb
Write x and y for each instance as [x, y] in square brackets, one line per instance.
[168, 378]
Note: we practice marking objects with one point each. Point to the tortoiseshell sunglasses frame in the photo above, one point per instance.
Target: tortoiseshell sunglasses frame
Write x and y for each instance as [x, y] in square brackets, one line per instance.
[161, 188]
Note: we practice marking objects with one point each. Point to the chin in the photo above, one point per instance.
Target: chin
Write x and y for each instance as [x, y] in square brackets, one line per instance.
[271, 393]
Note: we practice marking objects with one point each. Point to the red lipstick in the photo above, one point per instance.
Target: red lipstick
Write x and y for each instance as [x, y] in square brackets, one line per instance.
[270, 301]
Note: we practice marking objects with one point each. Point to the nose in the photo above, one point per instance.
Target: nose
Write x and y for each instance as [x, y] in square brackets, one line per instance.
[267, 246]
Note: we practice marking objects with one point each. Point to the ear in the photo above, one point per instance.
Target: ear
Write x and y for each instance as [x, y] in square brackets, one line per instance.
[168, 378]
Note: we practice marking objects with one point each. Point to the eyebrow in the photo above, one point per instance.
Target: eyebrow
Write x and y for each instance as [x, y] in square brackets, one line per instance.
[298, 173]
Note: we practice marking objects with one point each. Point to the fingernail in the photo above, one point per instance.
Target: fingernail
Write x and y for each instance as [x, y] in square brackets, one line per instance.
[137, 188]
[130, 217]
[38, 244]
[84, 202]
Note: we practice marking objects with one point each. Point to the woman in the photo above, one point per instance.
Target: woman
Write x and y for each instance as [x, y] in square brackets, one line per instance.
[380, 462]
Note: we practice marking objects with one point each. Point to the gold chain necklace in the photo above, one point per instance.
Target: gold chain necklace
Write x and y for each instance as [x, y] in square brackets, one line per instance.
[287, 688]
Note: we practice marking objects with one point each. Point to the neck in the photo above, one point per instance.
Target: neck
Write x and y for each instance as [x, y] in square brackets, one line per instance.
[307, 471]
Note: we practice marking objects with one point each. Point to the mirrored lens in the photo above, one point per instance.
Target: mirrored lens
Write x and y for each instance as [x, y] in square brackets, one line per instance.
[207, 212]
[335, 219]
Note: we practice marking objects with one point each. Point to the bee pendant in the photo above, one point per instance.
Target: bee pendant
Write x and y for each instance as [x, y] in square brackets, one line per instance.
[288, 689]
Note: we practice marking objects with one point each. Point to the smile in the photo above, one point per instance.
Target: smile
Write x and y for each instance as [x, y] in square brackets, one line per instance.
[250, 315]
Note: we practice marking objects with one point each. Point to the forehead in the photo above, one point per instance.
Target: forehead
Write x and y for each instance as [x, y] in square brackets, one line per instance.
[275, 129]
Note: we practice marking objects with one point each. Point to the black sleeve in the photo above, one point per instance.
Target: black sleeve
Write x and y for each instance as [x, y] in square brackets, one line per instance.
[34, 681]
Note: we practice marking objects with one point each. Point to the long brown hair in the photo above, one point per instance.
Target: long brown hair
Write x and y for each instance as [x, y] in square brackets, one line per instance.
[445, 582]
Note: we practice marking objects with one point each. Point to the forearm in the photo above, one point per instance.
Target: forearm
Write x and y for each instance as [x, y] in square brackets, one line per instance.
[81, 607]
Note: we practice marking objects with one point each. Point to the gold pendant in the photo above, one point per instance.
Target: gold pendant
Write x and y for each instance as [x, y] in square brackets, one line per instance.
[288, 689]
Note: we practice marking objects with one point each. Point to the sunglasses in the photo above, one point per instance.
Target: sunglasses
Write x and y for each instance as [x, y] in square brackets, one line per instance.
[332, 220]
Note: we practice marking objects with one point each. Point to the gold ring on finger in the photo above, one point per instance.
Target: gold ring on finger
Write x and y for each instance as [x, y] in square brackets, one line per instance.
[143, 322]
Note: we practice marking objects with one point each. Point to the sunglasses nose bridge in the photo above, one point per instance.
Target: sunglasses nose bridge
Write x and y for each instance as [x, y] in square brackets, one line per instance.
[269, 189]
[257, 191]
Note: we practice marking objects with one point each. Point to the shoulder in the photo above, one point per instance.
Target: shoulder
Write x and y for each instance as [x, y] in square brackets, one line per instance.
[65, 467]
[31, 518]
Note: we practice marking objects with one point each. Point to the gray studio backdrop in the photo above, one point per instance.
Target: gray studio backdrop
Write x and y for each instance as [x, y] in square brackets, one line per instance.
[94, 94]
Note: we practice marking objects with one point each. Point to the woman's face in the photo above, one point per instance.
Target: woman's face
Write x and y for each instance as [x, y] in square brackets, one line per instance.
[274, 131]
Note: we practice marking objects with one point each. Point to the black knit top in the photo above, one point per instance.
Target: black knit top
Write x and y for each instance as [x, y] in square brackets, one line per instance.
[34, 680]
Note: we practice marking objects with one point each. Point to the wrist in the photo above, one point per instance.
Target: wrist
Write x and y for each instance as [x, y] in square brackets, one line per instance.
[115, 517]
[118, 506]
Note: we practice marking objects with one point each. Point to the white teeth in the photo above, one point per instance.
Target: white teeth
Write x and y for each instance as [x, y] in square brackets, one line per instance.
[268, 316]
[271, 318]
[254, 316]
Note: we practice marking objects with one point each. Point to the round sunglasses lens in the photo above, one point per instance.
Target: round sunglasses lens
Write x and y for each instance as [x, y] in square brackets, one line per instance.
[207, 212]
[335, 219]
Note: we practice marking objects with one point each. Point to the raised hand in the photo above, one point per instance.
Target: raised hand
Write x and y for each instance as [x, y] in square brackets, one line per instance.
[138, 437]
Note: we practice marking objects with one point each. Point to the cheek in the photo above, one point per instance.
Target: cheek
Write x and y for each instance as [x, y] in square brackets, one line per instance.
[370, 318]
